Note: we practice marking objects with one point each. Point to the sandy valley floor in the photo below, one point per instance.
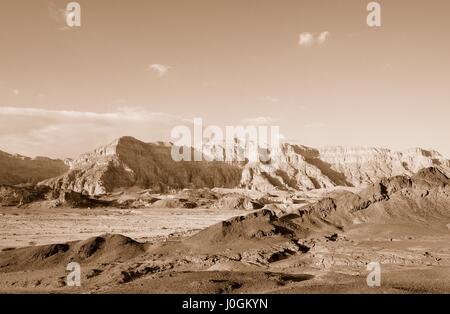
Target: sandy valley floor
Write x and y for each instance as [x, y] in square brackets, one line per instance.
[36, 226]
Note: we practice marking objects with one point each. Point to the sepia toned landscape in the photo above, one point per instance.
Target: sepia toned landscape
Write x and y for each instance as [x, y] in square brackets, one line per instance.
[310, 221]
[224, 147]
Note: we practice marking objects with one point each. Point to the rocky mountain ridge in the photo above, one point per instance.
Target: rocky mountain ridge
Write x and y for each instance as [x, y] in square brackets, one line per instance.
[128, 162]
[304, 168]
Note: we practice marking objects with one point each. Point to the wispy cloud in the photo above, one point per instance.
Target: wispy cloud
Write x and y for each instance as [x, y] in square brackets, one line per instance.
[308, 39]
[159, 69]
[67, 133]
[260, 121]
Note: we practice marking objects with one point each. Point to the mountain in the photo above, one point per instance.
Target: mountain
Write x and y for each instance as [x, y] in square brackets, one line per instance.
[304, 168]
[128, 162]
[17, 169]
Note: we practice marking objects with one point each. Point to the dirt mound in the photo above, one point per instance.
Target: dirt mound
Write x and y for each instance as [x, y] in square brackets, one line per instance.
[261, 228]
[102, 249]
[198, 194]
[174, 203]
[237, 201]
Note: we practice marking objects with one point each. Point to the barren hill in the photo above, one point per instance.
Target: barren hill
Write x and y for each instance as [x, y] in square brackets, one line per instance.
[17, 169]
[421, 199]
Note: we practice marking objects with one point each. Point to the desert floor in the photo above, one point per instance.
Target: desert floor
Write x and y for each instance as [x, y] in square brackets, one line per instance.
[413, 258]
[21, 227]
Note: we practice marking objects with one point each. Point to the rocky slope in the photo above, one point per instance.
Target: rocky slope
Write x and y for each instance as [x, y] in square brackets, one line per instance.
[304, 168]
[423, 198]
[17, 169]
[128, 162]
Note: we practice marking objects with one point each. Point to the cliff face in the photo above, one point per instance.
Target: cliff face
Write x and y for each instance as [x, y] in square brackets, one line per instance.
[365, 166]
[304, 168]
[289, 169]
[128, 162]
[16, 169]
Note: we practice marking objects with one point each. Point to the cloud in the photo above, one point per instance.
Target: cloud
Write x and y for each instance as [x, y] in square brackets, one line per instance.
[159, 69]
[307, 39]
[68, 133]
[260, 121]
[323, 37]
[16, 92]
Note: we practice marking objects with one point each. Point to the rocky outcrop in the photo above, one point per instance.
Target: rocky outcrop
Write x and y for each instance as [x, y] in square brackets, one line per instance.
[303, 168]
[368, 165]
[128, 162]
[17, 169]
[288, 169]
[21, 195]
[422, 197]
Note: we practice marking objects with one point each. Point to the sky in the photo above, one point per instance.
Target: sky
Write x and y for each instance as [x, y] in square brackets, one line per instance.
[141, 67]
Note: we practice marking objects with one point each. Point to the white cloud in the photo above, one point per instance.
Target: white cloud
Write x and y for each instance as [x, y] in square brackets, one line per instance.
[124, 113]
[159, 69]
[323, 37]
[305, 39]
[68, 133]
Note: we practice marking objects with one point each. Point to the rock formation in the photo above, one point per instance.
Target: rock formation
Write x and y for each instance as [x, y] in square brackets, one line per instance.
[304, 168]
[128, 162]
[17, 169]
